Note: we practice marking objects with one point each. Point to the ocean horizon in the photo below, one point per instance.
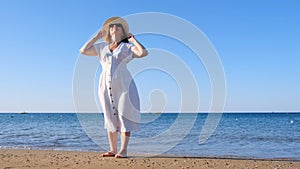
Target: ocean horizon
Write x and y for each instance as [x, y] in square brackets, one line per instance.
[245, 135]
[202, 112]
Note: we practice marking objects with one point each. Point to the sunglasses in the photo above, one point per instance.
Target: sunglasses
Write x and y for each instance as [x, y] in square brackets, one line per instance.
[115, 24]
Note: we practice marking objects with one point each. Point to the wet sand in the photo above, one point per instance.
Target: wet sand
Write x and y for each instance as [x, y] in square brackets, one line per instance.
[48, 159]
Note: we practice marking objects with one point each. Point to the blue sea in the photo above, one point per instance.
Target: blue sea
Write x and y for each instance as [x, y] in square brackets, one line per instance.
[240, 135]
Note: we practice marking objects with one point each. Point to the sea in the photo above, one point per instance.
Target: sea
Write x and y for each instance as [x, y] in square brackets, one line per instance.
[234, 135]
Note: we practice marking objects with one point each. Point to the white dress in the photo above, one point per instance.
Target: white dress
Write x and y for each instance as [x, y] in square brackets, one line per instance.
[117, 91]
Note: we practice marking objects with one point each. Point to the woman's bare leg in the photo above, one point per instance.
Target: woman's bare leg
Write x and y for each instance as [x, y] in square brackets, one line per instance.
[113, 143]
[124, 143]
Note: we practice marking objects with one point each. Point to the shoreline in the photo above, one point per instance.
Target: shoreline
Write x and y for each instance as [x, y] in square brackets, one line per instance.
[132, 155]
[46, 159]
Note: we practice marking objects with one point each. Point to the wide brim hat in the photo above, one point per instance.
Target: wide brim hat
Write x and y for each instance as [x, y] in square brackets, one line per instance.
[114, 20]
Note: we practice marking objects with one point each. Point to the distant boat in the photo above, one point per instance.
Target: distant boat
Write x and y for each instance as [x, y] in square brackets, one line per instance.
[23, 112]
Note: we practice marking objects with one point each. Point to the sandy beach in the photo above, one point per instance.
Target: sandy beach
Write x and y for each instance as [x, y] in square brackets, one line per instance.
[48, 159]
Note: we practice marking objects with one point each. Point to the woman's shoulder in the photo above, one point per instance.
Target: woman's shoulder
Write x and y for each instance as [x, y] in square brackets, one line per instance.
[126, 45]
[101, 45]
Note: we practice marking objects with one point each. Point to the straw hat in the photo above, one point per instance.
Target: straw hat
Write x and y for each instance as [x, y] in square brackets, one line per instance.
[112, 20]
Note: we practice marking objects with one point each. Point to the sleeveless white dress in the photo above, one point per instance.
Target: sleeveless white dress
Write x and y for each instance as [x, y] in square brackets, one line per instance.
[117, 91]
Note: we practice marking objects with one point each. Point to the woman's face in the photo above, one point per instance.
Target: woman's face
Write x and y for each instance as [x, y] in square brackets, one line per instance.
[116, 29]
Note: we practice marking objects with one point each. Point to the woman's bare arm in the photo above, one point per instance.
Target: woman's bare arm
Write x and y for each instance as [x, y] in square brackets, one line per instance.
[88, 48]
[139, 50]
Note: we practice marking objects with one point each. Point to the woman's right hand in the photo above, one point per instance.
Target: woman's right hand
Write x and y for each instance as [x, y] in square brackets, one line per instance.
[88, 48]
[100, 34]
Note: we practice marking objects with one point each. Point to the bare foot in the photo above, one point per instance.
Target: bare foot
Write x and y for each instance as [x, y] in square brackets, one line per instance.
[108, 154]
[121, 154]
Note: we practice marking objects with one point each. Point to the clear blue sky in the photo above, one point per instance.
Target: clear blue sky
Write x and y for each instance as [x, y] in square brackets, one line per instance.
[257, 42]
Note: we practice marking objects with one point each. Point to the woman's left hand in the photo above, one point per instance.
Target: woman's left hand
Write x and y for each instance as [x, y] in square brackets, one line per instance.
[139, 50]
[130, 37]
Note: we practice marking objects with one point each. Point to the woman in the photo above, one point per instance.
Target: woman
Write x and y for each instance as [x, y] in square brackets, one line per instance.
[117, 91]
